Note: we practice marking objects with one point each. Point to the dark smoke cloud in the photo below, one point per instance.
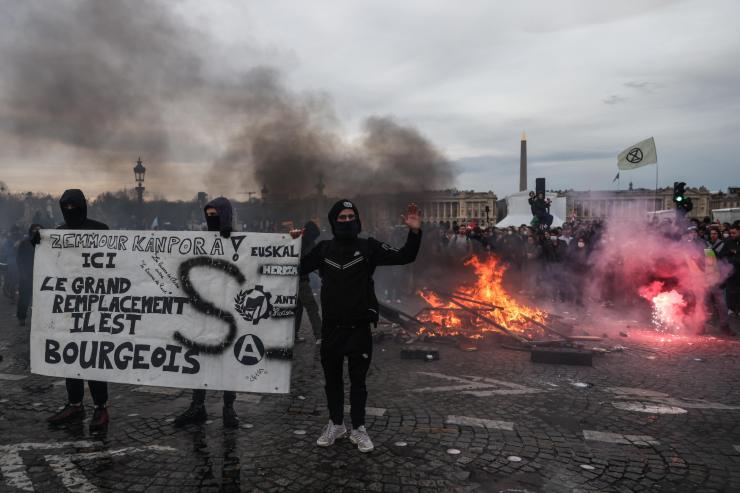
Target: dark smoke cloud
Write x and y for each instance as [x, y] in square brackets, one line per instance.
[288, 140]
[94, 74]
[115, 79]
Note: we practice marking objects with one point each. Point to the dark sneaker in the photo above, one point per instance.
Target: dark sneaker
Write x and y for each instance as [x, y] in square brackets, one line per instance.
[67, 414]
[196, 413]
[231, 420]
[725, 329]
[100, 419]
[22, 322]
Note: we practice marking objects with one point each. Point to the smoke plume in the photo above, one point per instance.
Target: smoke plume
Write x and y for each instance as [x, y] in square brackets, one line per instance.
[288, 140]
[114, 79]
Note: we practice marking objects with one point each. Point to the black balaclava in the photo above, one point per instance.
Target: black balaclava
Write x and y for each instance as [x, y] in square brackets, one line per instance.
[344, 231]
[213, 223]
[75, 217]
[223, 219]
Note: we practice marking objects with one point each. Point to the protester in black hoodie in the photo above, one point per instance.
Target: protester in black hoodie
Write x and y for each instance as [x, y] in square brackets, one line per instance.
[74, 211]
[24, 259]
[306, 300]
[218, 214]
[349, 306]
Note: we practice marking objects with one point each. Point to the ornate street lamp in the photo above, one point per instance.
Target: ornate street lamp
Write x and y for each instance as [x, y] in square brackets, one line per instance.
[139, 172]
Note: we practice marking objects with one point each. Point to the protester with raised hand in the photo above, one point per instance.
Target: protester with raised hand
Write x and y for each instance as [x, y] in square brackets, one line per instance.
[349, 307]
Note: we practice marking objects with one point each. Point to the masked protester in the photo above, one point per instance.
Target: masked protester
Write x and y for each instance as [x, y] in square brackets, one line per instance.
[349, 307]
[74, 211]
[218, 214]
[306, 300]
[24, 259]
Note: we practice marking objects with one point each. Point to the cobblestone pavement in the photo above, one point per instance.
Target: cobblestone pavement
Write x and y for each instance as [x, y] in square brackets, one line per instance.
[655, 417]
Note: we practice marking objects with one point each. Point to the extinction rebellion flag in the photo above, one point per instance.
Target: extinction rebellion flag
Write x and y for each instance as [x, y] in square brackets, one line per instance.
[640, 154]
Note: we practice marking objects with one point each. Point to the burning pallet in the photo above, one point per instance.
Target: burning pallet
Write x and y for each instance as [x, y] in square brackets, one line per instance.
[486, 307]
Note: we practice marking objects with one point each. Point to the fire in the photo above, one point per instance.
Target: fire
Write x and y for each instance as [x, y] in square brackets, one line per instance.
[486, 298]
[668, 306]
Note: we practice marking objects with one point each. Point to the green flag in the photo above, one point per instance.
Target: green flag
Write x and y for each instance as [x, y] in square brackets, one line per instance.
[640, 154]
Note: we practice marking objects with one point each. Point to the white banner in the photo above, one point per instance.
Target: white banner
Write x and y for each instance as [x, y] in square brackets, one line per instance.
[174, 309]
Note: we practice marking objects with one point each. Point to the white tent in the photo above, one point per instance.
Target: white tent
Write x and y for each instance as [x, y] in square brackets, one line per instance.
[520, 212]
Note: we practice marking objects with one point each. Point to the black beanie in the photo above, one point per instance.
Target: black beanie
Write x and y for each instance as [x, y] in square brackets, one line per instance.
[339, 207]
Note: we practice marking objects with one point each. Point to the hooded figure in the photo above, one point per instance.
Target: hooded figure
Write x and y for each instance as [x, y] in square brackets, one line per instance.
[221, 221]
[74, 210]
[218, 215]
[24, 260]
[346, 230]
[348, 304]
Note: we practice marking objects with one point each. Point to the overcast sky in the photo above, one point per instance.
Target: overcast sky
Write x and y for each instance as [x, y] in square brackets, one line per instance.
[584, 79]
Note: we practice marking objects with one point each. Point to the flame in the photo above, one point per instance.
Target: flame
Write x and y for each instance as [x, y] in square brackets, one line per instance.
[448, 318]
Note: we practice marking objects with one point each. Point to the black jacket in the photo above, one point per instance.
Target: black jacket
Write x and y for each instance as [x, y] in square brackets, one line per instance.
[346, 270]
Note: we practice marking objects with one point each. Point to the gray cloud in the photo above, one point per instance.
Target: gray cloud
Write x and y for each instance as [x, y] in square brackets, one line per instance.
[643, 86]
[614, 99]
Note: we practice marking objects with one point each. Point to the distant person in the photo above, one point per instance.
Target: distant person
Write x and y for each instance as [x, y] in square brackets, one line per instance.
[8, 254]
[306, 301]
[24, 261]
[74, 211]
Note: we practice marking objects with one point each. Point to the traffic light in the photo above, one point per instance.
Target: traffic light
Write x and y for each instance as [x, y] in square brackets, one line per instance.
[679, 192]
[683, 203]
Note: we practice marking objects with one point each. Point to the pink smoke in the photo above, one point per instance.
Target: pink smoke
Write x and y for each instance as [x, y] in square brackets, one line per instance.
[659, 263]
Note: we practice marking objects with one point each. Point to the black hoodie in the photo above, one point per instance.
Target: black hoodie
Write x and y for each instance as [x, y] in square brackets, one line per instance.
[76, 218]
[346, 269]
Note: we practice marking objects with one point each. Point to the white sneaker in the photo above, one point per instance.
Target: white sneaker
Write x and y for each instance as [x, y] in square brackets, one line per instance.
[330, 434]
[360, 438]
[318, 342]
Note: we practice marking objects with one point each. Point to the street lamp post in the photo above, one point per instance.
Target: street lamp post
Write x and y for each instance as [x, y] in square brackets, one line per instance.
[139, 172]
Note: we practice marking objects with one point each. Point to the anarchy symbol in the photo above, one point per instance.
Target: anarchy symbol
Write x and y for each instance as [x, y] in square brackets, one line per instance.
[635, 155]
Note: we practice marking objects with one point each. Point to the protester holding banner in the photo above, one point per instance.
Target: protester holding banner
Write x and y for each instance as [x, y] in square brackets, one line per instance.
[74, 211]
[349, 306]
[218, 214]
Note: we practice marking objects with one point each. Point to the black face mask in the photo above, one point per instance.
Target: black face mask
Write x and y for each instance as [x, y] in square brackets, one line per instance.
[74, 217]
[346, 230]
[213, 223]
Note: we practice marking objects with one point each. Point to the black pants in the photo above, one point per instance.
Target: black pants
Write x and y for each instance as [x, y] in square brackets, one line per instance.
[76, 391]
[199, 396]
[24, 298]
[356, 344]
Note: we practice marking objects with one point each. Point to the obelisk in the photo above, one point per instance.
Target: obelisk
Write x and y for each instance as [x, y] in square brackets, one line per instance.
[523, 164]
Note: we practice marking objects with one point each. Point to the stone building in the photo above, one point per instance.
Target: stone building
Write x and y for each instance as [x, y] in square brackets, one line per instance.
[462, 206]
[722, 200]
[637, 202]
